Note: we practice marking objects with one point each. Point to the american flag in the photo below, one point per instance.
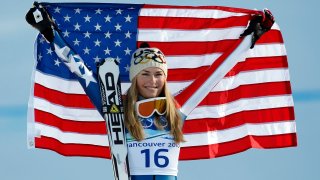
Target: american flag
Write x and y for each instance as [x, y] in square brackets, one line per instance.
[251, 107]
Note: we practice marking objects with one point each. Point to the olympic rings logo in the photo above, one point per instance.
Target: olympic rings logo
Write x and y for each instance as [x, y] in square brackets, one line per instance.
[146, 55]
[148, 122]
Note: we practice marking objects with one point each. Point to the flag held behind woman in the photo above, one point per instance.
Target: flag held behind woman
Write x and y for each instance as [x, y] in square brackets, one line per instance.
[250, 107]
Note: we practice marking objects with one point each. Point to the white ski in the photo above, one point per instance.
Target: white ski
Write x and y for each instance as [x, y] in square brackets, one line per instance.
[112, 108]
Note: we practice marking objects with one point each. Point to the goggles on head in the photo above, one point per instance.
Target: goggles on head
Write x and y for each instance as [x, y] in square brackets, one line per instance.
[147, 107]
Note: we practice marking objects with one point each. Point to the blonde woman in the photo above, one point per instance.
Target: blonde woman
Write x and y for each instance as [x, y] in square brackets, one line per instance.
[153, 122]
[154, 118]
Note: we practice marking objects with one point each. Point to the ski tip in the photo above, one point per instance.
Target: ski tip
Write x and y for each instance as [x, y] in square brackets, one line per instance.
[108, 59]
[116, 61]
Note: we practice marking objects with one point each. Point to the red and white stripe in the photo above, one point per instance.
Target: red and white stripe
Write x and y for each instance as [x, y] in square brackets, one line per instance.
[251, 107]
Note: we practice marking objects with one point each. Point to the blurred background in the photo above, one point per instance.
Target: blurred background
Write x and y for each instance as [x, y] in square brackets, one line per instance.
[298, 23]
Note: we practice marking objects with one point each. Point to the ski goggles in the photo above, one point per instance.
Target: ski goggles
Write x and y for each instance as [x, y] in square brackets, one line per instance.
[147, 107]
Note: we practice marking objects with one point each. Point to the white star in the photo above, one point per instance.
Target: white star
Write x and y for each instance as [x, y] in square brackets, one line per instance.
[66, 33]
[97, 43]
[117, 43]
[86, 50]
[57, 62]
[77, 27]
[57, 10]
[128, 35]
[87, 18]
[76, 42]
[108, 35]
[96, 59]
[118, 59]
[108, 18]
[127, 51]
[107, 51]
[49, 51]
[87, 35]
[54, 20]
[118, 27]
[128, 18]
[98, 11]
[42, 40]
[74, 66]
[77, 10]
[39, 57]
[67, 18]
[62, 52]
[119, 11]
[98, 27]
[127, 68]
[88, 77]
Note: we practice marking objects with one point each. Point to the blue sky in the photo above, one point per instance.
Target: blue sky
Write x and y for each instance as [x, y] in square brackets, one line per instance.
[298, 23]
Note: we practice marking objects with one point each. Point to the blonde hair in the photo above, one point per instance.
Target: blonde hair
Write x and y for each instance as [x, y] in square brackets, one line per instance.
[133, 124]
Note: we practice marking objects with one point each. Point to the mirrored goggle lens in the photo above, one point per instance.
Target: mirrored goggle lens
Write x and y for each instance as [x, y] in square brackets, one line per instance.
[146, 108]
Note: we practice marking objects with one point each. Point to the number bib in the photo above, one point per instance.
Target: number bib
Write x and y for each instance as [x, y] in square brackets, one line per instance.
[157, 154]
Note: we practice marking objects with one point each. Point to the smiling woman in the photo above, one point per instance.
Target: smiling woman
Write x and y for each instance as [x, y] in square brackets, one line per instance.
[150, 82]
[154, 124]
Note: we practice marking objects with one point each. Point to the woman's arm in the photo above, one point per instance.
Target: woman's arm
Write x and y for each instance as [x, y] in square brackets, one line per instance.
[190, 97]
[39, 19]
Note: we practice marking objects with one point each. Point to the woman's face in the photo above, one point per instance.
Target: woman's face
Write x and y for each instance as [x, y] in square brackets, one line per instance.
[150, 82]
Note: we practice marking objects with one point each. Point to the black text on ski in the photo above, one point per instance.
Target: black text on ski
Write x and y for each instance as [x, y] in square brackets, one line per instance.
[114, 113]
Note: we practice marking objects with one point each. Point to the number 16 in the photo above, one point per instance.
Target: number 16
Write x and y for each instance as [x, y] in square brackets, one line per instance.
[157, 158]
